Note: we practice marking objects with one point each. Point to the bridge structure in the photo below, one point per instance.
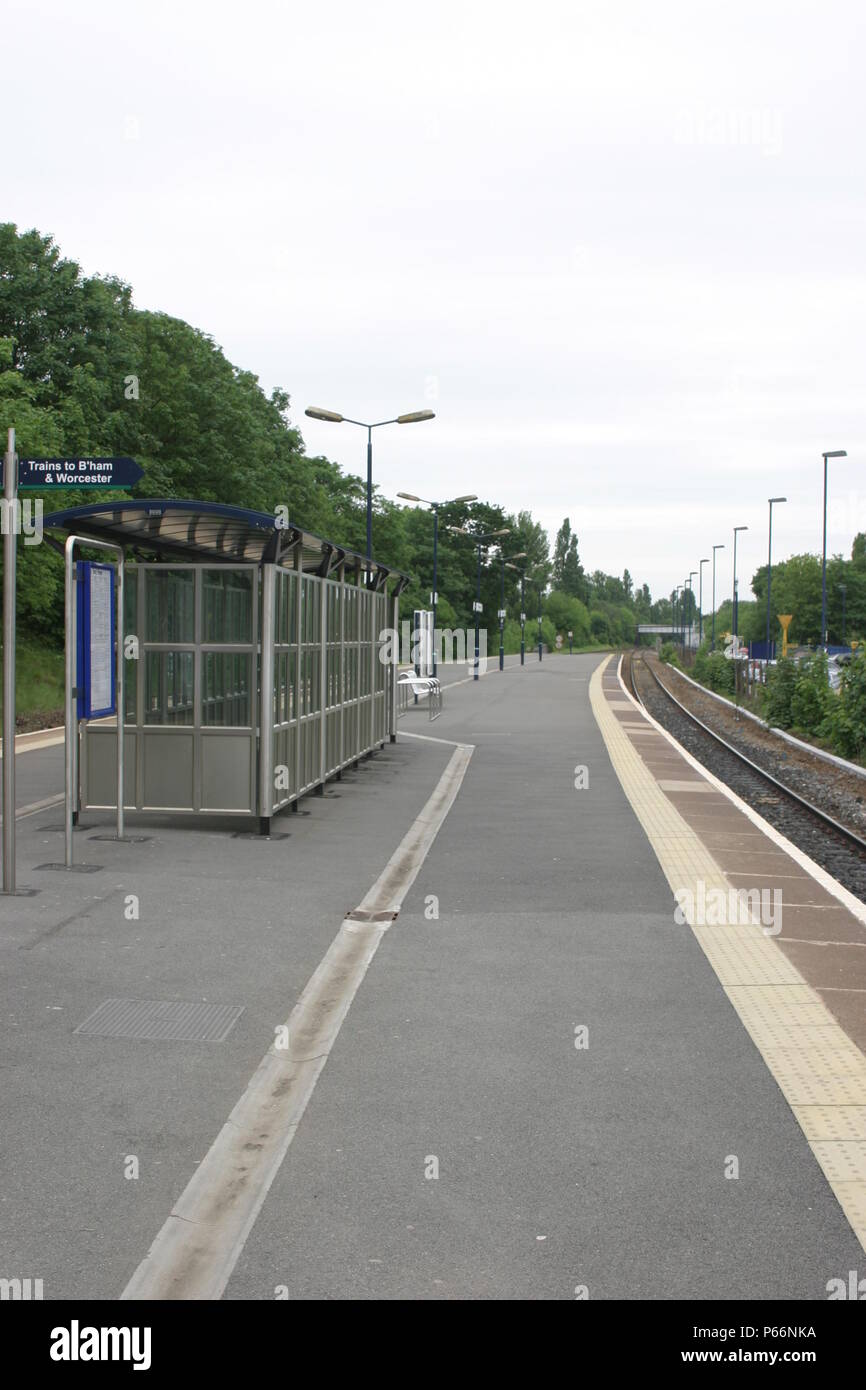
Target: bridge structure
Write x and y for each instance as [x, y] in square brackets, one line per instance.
[674, 631]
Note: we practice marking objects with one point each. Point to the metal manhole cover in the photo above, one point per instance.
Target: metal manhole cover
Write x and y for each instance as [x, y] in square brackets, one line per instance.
[157, 1020]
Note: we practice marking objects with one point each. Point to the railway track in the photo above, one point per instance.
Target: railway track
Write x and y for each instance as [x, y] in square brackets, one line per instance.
[835, 846]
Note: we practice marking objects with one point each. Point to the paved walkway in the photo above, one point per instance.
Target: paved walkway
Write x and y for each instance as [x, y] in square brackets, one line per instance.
[539, 910]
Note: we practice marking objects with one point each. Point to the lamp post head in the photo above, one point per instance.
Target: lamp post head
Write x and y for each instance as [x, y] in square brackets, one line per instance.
[410, 497]
[316, 413]
[470, 497]
[836, 454]
[777, 499]
[414, 416]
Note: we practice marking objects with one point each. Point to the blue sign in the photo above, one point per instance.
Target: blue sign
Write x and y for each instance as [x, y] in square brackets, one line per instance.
[95, 631]
[78, 472]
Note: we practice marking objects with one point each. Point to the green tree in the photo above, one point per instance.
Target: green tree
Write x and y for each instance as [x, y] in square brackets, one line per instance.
[568, 575]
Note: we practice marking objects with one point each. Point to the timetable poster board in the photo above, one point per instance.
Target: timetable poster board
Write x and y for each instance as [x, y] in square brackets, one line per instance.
[96, 640]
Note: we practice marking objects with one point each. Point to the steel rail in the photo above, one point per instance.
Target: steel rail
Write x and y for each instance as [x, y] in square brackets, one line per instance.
[850, 835]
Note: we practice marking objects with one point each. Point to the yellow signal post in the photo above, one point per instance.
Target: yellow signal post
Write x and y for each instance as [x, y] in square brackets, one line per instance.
[784, 623]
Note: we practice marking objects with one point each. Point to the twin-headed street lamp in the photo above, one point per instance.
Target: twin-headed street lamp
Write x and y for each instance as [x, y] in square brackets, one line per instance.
[333, 417]
[479, 542]
[434, 597]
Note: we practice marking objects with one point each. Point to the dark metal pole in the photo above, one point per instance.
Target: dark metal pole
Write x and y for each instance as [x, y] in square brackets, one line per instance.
[734, 591]
[477, 610]
[843, 587]
[769, 575]
[502, 619]
[10, 555]
[369, 504]
[824, 566]
[539, 622]
[715, 548]
[523, 617]
[701, 602]
[686, 612]
[435, 595]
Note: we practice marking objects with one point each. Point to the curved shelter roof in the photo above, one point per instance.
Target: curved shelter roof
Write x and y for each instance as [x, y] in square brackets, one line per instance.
[209, 533]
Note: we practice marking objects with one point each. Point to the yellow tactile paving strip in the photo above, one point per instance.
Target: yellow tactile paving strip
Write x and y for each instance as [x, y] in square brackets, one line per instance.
[819, 1070]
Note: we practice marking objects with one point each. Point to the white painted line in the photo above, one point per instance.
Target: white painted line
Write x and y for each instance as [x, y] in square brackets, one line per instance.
[36, 806]
[197, 1248]
[429, 738]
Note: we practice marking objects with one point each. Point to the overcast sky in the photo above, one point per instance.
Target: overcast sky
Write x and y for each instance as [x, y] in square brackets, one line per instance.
[617, 247]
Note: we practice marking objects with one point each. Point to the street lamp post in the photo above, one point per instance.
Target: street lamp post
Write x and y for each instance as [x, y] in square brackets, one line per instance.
[692, 574]
[540, 588]
[735, 599]
[843, 589]
[772, 501]
[521, 555]
[522, 572]
[703, 562]
[434, 597]
[333, 417]
[676, 622]
[713, 641]
[479, 541]
[831, 454]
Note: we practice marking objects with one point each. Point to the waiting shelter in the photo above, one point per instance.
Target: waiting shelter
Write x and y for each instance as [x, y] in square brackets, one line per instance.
[255, 674]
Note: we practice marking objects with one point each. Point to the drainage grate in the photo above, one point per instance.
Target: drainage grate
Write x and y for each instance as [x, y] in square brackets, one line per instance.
[154, 1020]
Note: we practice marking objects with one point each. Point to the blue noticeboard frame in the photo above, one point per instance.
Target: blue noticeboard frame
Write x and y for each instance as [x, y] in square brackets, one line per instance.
[88, 634]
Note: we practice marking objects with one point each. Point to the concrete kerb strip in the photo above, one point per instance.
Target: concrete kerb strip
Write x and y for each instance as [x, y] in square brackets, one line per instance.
[36, 739]
[819, 1070]
[197, 1248]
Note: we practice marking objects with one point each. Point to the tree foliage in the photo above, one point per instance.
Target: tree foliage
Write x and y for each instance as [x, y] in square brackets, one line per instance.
[84, 371]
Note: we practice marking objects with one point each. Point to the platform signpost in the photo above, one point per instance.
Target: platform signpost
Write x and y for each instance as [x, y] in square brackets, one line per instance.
[46, 474]
[10, 556]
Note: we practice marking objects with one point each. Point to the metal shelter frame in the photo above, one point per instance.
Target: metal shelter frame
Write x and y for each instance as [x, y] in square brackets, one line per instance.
[255, 675]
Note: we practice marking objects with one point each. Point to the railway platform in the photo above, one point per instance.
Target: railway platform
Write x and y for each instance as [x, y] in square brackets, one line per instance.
[785, 940]
[480, 1049]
